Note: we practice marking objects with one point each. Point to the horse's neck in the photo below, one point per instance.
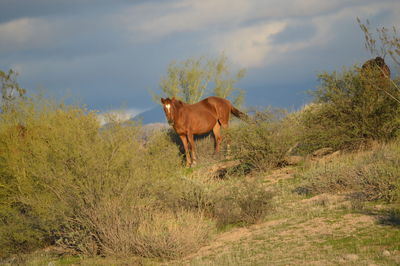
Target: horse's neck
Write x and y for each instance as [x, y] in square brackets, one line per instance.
[178, 111]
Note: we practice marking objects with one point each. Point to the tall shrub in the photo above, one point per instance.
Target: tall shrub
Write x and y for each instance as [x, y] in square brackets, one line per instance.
[64, 180]
[348, 111]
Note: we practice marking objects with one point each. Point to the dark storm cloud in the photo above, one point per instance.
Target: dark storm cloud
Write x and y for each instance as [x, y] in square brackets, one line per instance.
[15, 9]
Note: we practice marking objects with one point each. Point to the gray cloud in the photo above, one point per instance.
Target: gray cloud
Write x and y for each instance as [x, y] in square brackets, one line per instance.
[110, 54]
[11, 9]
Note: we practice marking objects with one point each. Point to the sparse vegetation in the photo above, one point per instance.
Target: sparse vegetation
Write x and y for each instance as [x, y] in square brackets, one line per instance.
[243, 202]
[371, 175]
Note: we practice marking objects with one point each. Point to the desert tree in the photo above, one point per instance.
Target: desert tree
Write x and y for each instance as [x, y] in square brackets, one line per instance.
[194, 78]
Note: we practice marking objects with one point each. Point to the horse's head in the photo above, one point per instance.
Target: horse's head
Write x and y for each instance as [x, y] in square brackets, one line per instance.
[169, 108]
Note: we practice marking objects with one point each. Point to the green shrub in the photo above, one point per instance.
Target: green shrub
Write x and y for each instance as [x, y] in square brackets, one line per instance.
[138, 186]
[38, 145]
[349, 110]
[20, 231]
[199, 194]
[264, 142]
[66, 181]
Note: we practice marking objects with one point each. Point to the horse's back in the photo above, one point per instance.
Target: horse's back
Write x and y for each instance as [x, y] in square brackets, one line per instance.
[198, 118]
[201, 117]
[214, 100]
[222, 108]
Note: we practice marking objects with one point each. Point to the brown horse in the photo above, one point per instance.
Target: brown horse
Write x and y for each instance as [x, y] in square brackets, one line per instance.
[199, 118]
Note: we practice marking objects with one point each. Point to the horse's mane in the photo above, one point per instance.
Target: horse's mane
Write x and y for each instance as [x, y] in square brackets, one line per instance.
[178, 103]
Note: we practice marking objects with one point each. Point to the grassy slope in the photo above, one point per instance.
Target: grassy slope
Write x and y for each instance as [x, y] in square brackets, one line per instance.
[322, 230]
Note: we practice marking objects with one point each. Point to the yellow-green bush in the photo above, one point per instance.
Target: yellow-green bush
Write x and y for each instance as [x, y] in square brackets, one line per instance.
[263, 142]
[350, 108]
[37, 149]
[67, 181]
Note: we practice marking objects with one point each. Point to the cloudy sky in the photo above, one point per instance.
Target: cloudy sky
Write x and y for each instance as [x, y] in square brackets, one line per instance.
[109, 54]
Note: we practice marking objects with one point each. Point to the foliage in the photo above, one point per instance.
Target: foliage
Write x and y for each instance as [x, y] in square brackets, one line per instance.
[68, 182]
[37, 150]
[263, 143]
[65, 180]
[193, 79]
[348, 111]
[224, 84]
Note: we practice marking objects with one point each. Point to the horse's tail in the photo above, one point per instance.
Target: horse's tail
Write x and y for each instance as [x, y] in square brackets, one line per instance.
[239, 114]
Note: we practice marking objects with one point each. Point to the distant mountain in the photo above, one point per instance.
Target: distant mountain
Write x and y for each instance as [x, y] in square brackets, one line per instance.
[154, 115]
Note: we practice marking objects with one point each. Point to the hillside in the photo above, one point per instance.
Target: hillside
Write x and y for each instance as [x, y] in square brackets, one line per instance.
[299, 229]
[154, 115]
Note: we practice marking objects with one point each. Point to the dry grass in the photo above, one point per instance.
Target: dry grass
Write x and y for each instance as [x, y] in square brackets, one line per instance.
[373, 174]
[171, 235]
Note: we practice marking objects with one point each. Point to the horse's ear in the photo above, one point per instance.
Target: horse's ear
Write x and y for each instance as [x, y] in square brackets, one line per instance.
[179, 103]
[173, 98]
[162, 100]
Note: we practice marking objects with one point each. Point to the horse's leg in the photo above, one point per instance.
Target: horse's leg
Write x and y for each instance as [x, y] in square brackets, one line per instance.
[217, 136]
[192, 148]
[228, 140]
[186, 147]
